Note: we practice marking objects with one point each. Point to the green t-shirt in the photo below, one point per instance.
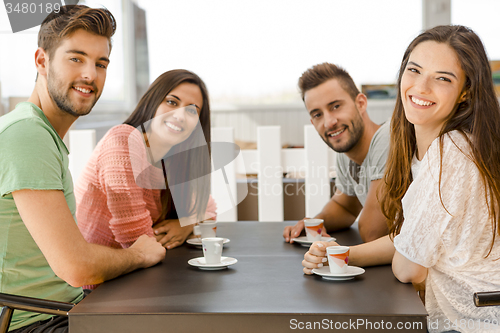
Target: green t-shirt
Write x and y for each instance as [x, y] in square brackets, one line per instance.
[32, 156]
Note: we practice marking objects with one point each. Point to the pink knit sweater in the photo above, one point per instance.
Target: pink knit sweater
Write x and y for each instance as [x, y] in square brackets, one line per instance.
[112, 209]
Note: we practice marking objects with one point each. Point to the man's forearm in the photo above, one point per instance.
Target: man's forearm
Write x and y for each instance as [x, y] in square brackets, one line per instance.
[335, 216]
[101, 263]
[105, 263]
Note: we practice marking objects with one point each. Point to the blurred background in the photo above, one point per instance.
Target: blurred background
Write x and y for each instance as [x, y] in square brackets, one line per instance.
[250, 53]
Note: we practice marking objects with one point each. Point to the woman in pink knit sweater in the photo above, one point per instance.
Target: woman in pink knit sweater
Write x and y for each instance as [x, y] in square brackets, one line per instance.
[146, 175]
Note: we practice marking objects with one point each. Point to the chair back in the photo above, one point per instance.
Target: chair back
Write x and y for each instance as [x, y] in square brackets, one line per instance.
[489, 298]
[9, 303]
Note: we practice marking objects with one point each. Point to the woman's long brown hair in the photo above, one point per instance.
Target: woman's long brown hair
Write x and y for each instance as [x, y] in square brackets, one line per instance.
[478, 115]
[187, 162]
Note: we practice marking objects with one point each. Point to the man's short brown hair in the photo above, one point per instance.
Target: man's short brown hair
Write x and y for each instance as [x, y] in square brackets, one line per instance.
[60, 25]
[321, 73]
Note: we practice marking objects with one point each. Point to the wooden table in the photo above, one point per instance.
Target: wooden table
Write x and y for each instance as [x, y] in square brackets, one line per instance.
[266, 291]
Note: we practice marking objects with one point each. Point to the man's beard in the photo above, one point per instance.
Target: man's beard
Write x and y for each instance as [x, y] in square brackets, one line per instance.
[356, 131]
[62, 100]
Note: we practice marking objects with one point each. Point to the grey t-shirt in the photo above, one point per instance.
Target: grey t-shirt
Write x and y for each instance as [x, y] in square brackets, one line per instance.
[353, 179]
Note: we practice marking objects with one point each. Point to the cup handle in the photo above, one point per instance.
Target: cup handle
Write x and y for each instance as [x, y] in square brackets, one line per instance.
[196, 230]
[218, 248]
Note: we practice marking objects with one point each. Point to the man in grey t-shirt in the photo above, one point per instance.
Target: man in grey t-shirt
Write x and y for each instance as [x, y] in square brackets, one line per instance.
[338, 112]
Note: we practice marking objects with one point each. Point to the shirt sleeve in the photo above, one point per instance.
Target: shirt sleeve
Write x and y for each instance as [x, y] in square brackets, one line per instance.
[126, 203]
[30, 158]
[439, 218]
[379, 150]
[342, 181]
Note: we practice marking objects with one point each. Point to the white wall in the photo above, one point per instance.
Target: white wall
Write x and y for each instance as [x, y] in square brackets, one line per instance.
[291, 118]
[17, 52]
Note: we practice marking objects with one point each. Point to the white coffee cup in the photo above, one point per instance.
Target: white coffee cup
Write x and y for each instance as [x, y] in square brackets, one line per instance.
[205, 229]
[338, 259]
[212, 249]
[314, 229]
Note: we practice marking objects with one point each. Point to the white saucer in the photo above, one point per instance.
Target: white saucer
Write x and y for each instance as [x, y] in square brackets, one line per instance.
[197, 241]
[302, 240]
[352, 271]
[200, 263]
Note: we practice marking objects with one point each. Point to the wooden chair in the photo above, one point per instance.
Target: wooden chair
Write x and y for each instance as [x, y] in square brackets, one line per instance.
[9, 303]
[489, 298]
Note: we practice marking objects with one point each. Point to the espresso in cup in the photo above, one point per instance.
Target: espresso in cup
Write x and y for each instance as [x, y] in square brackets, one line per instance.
[205, 229]
[338, 259]
[212, 249]
[314, 229]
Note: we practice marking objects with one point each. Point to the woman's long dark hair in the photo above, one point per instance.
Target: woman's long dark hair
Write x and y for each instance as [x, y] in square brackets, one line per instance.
[478, 115]
[185, 161]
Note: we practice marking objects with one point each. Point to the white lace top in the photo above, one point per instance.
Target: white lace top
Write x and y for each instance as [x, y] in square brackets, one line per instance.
[451, 242]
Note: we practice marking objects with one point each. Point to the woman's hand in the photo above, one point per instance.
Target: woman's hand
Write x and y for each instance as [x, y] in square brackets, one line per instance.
[170, 233]
[316, 256]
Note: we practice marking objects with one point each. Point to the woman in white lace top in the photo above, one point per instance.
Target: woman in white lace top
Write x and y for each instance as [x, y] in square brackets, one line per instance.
[443, 181]
[443, 178]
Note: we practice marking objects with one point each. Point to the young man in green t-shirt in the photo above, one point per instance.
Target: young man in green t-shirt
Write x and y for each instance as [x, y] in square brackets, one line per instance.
[42, 252]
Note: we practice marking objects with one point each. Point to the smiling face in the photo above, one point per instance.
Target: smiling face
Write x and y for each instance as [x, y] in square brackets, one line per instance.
[431, 86]
[335, 115]
[178, 115]
[77, 72]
